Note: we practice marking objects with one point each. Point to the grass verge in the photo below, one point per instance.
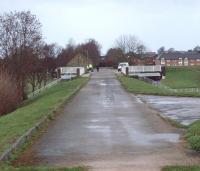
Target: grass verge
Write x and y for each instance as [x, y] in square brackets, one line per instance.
[15, 124]
[193, 136]
[140, 87]
[181, 168]
[9, 168]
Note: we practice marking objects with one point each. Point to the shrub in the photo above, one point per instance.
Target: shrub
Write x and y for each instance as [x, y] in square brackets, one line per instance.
[9, 93]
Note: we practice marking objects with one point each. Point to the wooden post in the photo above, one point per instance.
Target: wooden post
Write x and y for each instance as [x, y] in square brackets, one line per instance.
[59, 73]
[127, 71]
[163, 72]
[78, 72]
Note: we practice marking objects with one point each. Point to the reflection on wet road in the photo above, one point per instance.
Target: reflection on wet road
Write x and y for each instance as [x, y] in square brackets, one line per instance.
[108, 129]
[182, 109]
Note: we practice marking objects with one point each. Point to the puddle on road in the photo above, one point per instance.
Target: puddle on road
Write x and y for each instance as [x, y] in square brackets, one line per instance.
[185, 110]
[144, 137]
[154, 139]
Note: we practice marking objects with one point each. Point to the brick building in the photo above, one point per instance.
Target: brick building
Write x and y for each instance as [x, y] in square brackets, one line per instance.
[148, 58]
[179, 58]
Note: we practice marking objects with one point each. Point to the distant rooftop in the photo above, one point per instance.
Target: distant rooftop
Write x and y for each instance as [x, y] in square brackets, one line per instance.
[180, 54]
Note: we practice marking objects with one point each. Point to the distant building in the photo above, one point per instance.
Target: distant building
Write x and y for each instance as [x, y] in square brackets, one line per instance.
[148, 58]
[79, 61]
[179, 58]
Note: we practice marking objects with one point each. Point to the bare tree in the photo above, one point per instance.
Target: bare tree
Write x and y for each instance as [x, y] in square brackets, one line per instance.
[161, 50]
[130, 43]
[141, 49]
[19, 31]
[93, 49]
[8, 92]
[114, 57]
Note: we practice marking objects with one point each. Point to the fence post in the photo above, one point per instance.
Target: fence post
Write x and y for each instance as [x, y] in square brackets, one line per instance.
[59, 73]
[163, 72]
[78, 72]
[127, 71]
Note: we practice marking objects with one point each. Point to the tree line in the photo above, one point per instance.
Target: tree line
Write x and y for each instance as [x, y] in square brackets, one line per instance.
[26, 59]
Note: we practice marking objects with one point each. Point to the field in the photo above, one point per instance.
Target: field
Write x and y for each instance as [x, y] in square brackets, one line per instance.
[15, 124]
[182, 77]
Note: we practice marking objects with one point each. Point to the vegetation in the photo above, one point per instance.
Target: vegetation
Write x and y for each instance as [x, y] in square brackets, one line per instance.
[40, 169]
[140, 87]
[182, 77]
[26, 56]
[15, 124]
[8, 92]
[181, 168]
[193, 135]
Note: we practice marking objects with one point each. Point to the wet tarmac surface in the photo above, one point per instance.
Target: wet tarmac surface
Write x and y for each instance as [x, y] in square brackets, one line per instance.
[185, 110]
[107, 129]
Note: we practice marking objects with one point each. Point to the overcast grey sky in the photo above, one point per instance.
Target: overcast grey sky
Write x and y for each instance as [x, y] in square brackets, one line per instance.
[172, 23]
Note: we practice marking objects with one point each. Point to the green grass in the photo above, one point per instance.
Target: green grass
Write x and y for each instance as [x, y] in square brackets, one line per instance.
[182, 77]
[193, 135]
[15, 124]
[9, 168]
[140, 87]
[181, 168]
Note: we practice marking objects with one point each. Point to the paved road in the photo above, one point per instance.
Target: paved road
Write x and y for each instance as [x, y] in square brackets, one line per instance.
[107, 129]
[182, 109]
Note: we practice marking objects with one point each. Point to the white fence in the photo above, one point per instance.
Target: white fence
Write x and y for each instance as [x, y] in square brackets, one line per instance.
[123, 70]
[143, 71]
[72, 70]
[136, 69]
[51, 84]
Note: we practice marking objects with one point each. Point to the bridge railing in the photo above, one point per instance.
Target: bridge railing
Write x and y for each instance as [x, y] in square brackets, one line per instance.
[143, 71]
[124, 70]
[72, 70]
[153, 68]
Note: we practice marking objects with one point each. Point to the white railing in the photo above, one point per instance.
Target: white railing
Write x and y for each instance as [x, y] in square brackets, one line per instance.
[153, 68]
[51, 84]
[143, 71]
[72, 70]
[123, 70]
[82, 70]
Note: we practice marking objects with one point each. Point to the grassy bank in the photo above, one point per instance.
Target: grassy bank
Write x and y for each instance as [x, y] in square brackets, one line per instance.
[140, 87]
[40, 169]
[193, 135]
[181, 168]
[15, 124]
[182, 77]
